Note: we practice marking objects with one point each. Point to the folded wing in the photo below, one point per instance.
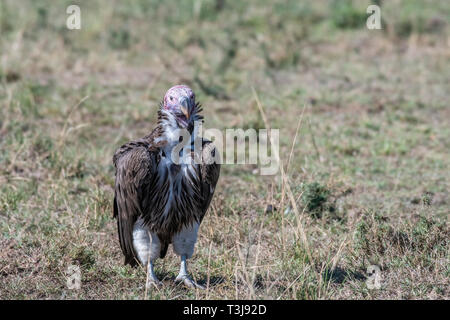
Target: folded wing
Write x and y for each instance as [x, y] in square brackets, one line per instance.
[135, 169]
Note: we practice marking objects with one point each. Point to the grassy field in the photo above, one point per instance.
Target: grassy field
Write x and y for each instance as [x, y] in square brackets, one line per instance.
[369, 170]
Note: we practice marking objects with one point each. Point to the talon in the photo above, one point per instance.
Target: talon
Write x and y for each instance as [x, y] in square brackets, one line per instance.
[188, 282]
[180, 278]
[192, 284]
[154, 282]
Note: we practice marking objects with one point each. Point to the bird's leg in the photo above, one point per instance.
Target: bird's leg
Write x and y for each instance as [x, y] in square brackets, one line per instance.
[151, 276]
[183, 276]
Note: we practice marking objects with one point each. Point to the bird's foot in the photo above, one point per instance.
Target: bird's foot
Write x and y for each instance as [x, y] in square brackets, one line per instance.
[153, 281]
[186, 279]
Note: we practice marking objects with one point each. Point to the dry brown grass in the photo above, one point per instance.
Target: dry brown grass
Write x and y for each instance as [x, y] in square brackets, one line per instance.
[373, 138]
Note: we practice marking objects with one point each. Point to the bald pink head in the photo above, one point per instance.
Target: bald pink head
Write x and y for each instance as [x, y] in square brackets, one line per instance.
[175, 95]
[180, 101]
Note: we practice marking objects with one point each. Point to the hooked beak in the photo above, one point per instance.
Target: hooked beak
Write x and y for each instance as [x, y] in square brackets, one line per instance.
[184, 102]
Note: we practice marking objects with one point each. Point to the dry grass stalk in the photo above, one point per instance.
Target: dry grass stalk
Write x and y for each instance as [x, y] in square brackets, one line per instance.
[303, 237]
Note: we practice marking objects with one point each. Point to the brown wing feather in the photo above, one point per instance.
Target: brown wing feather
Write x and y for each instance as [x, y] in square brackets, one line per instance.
[210, 171]
[137, 194]
[135, 163]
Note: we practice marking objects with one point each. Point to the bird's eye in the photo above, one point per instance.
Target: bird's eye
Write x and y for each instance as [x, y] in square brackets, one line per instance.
[171, 98]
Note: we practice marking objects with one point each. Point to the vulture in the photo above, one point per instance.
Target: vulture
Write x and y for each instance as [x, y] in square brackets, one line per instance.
[159, 201]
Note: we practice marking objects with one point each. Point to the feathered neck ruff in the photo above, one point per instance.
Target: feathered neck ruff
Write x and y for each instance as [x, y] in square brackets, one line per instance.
[168, 126]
